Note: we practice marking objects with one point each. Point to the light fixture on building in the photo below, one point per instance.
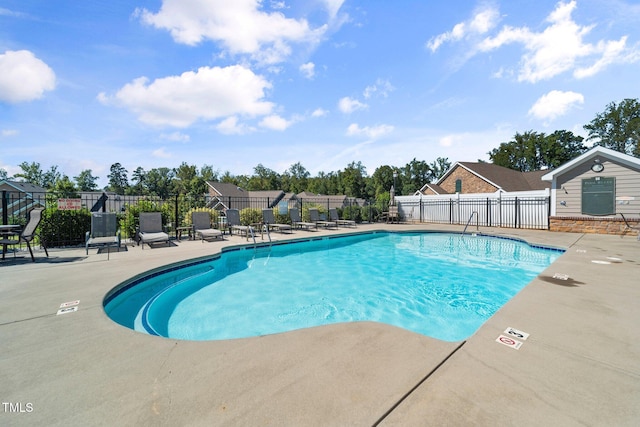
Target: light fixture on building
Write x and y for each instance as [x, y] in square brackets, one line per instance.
[597, 166]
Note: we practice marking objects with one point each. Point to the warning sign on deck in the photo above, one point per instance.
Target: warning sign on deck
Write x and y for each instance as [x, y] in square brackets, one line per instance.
[509, 342]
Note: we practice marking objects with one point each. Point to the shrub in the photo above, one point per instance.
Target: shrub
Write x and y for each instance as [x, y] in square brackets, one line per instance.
[250, 216]
[352, 212]
[64, 228]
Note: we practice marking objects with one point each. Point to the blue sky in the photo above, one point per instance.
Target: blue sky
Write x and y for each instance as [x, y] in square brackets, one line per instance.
[150, 83]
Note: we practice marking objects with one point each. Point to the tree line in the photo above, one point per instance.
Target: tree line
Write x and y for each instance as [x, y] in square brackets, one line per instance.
[618, 128]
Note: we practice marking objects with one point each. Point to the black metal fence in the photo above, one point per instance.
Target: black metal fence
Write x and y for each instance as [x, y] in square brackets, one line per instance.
[66, 221]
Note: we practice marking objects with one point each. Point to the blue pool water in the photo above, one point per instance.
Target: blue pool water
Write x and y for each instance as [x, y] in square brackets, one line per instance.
[437, 284]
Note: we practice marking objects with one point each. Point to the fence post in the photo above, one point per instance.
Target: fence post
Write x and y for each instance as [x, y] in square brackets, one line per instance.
[548, 200]
[516, 213]
[175, 229]
[450, 211]
[5, 213]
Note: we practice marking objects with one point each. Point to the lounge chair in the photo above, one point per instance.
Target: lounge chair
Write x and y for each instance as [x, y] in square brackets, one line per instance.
[234, 224]
[333, 215]
[202, 226]
[151, 230]
[269, 221]
[104, 231]
[28, 233]
[297, 222]
[314, 215]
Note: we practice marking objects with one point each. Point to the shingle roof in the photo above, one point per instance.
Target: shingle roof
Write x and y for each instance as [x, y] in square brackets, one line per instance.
[507, 179]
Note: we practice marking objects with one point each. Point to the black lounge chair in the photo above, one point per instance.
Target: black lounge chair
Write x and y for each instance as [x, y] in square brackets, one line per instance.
[28, 233]
[202, 226]
[333, 215]
[104, 232]
[151, 230]
[297, 222]
[233, 222]
[314, 215]
[269, 221]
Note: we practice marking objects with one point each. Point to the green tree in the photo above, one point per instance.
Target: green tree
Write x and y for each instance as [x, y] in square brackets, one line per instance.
[560, 147]
[31, 172]
[521, 153]
[263, 178]
[439, 167]
[138, 177]
[160, 182]
[50, 177]
[352, 180]
[118, 182]
[64, 188]
[295, 179]
[382, 180]
[3, 174]
[413, 176]
[208, 174]
[618, 127]
[86, 181]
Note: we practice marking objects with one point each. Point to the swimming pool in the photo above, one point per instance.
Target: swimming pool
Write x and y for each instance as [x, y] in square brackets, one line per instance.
[437, 284]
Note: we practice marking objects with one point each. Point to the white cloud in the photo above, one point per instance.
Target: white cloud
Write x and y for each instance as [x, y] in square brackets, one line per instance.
[23, 77]
[370, 132]
[206, 94]
[161, 153]
[482, 21]
[275, 122]
[230, 126]
[175, 137]
[333, 6]
[349, 105]
[560, 48]
[239, 26]
[308, 70]
[319, 112]
[555, 104]
[381, 87]
[5, 133]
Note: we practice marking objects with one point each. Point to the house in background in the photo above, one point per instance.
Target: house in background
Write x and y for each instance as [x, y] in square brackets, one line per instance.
[470, 177]
[589, 192]
[19, 197]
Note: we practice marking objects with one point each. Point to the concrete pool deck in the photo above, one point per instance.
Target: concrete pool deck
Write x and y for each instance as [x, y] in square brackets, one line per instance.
[579, 366]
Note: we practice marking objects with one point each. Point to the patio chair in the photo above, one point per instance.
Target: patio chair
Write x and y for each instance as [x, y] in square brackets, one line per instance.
[297, 222]
[333, 215]
[104, 231]
[233, 222]
[269, 221]
[202, 226]
[27, 234]
[314, 216]
[151, 230]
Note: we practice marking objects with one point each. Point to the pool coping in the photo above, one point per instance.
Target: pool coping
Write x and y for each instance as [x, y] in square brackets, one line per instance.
[579, 365]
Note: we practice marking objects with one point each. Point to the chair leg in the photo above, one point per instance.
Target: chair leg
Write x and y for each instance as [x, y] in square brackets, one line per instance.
[31, 252]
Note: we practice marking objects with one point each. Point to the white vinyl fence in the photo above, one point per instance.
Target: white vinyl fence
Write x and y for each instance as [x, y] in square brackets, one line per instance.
[526, 209]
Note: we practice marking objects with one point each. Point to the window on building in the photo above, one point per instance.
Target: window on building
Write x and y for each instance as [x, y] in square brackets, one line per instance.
[458, 186]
